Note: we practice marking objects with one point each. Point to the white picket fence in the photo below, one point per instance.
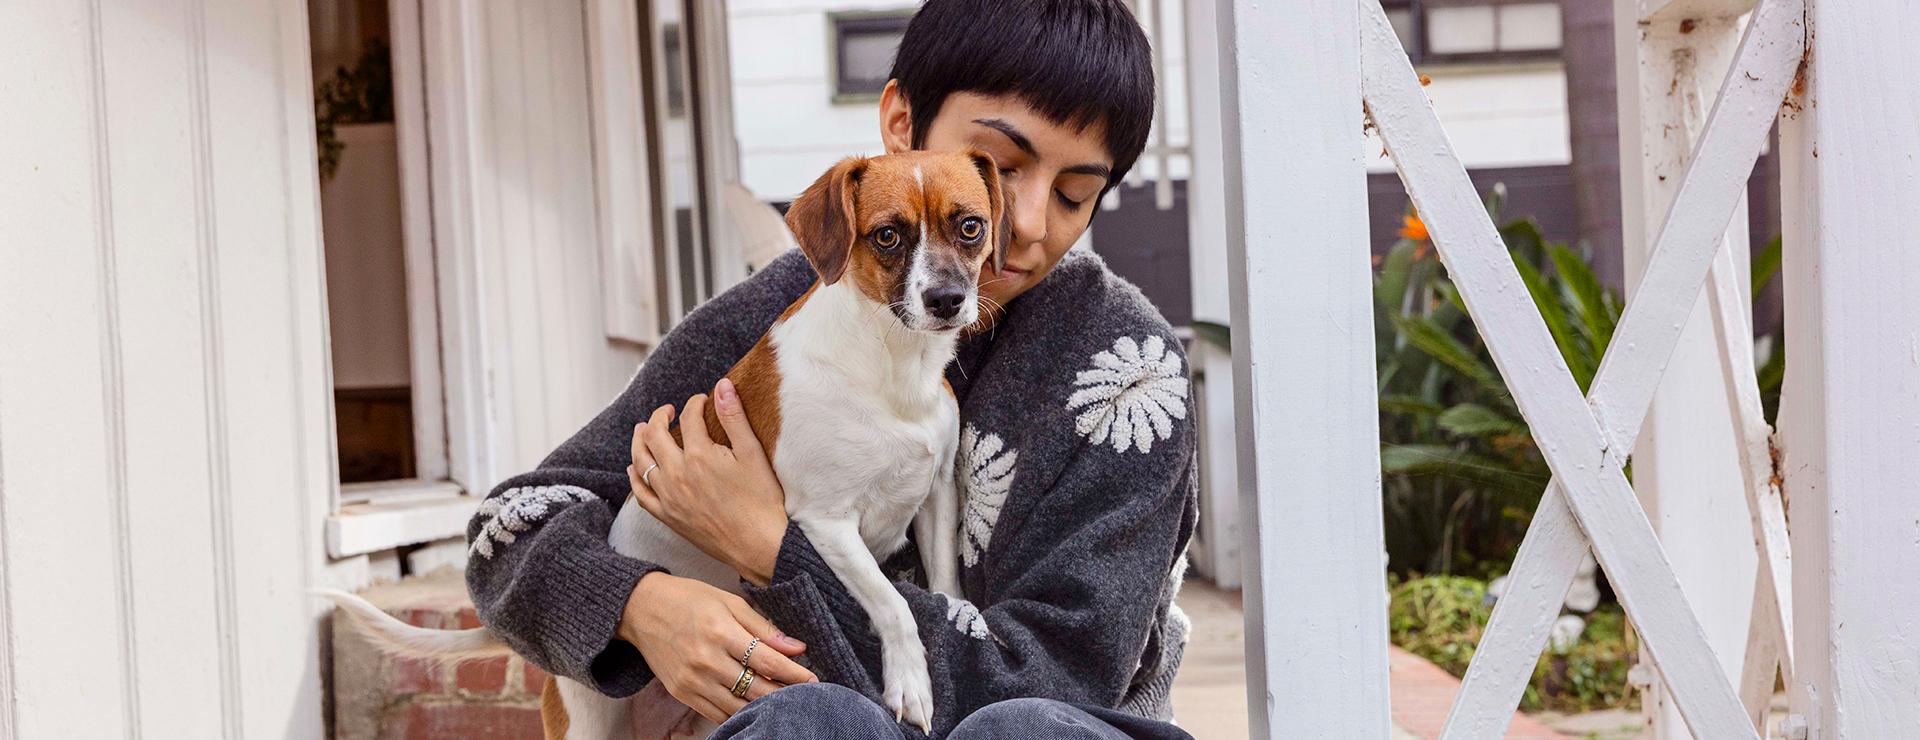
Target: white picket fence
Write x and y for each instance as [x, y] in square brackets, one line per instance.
[1299, 80]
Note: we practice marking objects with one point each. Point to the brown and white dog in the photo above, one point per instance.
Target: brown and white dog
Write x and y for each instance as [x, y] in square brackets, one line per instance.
[847, 394]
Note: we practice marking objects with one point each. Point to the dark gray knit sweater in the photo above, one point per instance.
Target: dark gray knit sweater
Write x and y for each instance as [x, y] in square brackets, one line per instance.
[1077, 465]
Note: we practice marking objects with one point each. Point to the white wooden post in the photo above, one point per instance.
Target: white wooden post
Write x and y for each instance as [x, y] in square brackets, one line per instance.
[1672, 56]
[1304, 368]
[1207, 241]
[1850, 418]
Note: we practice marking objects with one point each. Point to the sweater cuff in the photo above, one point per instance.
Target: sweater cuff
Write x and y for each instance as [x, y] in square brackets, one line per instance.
[797, 558]
[590, 626]
[798, 608]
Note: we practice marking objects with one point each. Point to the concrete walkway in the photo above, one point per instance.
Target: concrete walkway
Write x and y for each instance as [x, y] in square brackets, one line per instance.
[1210, 694]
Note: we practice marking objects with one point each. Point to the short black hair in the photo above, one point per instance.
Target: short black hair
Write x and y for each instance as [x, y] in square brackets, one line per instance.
[1078, 62]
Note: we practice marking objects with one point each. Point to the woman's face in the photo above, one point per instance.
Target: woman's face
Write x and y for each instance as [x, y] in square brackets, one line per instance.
[1052, 173]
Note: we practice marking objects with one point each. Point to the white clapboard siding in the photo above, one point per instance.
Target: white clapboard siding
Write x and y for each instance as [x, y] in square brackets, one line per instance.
[164, 438]
[1850, 417]
[1303, 369]
[1584, 452]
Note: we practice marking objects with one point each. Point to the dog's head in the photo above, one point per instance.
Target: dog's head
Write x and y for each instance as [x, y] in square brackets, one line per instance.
[911, 231]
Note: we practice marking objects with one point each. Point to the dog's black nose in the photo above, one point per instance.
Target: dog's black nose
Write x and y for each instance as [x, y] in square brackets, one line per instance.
[944, 301]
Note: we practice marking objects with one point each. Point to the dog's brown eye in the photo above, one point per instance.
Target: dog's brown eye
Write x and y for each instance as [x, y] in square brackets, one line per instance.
[886, 237]
[972, 228]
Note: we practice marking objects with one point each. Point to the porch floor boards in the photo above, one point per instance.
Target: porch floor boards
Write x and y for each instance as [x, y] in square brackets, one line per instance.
[1210, 692]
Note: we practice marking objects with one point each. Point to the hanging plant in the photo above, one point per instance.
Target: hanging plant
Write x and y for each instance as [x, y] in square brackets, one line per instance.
[363, 94]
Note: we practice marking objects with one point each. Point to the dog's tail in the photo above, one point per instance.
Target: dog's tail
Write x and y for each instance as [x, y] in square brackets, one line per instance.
[398, 638]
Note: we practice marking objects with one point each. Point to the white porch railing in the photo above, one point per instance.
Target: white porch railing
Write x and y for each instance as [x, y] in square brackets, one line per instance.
[1295, 76]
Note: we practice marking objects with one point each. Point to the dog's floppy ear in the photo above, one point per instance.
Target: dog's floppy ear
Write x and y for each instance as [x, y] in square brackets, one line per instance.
[1001, 200]
[822, 218]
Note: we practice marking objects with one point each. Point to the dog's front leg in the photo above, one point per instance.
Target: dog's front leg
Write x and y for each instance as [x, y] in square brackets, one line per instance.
[903, 660]
[936, 528]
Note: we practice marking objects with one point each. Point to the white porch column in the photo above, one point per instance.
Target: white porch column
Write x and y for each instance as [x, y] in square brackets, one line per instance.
[1207, 244]
[1672, 57]
[1850, 417]
[1300, 286]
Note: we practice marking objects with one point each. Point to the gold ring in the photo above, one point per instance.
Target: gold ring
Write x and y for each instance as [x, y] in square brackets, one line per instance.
[740, 685]
[749, 654]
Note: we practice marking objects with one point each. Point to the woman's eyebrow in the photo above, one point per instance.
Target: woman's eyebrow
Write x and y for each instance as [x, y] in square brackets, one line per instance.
[1026, 145]
[1012, 134]
[1100, 170]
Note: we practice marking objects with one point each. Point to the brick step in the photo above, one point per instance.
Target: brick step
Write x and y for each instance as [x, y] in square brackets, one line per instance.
[380, 698]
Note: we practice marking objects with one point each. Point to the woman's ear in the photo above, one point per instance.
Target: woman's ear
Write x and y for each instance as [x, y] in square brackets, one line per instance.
[896, 119]
[822, 218]
[1001, 213]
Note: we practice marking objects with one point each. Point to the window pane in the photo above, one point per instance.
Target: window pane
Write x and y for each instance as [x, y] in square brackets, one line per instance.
[1530, 27]
[1402, 20]
[1460, 30]
[866, 59]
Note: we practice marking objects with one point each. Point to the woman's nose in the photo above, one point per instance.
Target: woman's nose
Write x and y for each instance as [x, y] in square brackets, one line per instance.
[1029, 208]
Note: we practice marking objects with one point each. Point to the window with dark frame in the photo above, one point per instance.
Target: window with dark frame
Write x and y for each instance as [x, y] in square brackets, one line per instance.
[1477, 31]
[862, 52]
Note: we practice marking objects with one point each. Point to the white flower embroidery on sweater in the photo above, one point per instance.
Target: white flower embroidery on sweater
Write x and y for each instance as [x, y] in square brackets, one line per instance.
[966, 619]
[1131, 395]
[516, 510]
[986, 467]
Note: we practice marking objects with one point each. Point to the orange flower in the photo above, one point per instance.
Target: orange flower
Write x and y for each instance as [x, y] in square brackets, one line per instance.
[1412, 228]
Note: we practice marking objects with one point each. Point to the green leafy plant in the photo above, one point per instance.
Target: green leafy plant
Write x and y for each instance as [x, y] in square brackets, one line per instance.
[1461, 473]
[1440, 618]
[363, 94]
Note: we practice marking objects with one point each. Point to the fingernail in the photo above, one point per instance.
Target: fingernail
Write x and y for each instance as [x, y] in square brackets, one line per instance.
[726, 393]
[790, 642]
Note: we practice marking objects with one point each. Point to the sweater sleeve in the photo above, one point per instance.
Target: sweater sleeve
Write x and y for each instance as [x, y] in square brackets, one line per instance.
[1068, 597]
[541, 572]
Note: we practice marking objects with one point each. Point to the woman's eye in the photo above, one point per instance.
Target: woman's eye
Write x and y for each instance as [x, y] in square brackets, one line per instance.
[1071, 204]
[972, 228]
[886, 238]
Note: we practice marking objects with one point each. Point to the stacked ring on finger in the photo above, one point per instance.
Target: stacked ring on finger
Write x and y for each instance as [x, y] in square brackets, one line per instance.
[741, 684]
[749, 654]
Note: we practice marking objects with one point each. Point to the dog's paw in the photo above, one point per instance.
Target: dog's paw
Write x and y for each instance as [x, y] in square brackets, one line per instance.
[909, 690]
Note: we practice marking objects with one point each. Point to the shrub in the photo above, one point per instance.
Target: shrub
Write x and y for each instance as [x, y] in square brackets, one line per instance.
[1440, 618]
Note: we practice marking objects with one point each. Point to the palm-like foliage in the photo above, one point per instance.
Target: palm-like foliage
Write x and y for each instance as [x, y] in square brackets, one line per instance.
[1461, 472]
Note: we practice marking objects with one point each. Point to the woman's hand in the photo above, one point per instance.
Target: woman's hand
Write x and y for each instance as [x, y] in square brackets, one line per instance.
[726, 501]
[693, 635]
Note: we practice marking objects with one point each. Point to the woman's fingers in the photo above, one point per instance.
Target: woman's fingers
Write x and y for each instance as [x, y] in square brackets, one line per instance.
[780, 668]
[658, 439]
[637, 475]
[702, 704]
[693, 424]
[763, 686]
[771, 659]
[733, 418]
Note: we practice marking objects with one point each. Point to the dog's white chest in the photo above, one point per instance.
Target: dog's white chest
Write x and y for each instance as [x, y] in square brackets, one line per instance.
[847, 457]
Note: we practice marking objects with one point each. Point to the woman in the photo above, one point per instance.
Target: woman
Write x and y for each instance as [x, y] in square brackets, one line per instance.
[1076, 451]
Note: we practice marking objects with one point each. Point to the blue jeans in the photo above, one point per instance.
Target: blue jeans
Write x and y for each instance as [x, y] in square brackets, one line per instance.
[822, 711]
